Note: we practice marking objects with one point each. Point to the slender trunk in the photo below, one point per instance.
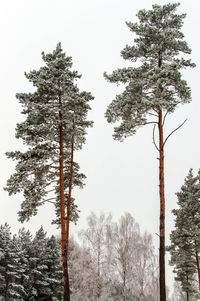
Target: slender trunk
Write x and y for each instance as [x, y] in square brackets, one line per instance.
[98, 269]
[69, 195]
[66, 294]
[124, 285]
[162, 210]
[187, 293]
[68, 215]
[162, 198]
[197, 262]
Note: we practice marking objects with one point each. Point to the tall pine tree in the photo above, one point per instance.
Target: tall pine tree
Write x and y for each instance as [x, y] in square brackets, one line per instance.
[154, 88]
[55, 126]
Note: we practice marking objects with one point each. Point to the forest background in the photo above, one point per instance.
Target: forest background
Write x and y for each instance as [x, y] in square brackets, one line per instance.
[120, 176]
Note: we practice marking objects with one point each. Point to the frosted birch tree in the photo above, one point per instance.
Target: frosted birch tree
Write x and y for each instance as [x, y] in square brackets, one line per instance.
[123, 265]
[94, 238]
[154, 88]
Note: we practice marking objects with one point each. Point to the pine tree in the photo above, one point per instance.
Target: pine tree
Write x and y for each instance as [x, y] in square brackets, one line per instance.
[185, 239]
[55, 126]
[154, 88]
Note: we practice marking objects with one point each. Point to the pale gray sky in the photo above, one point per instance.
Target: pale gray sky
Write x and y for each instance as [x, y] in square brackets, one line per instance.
[120, 176]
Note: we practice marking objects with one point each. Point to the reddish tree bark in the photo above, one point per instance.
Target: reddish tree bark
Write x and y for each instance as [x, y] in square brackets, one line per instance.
[69, 195]
[162, 209]
[197, 261]
[66, 292]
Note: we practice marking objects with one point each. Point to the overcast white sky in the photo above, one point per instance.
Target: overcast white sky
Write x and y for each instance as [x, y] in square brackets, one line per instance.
[120, 176]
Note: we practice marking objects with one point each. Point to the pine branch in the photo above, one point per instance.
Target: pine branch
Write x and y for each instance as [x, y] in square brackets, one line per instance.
[52, 166]
[48, 200]
[154, 142]
[152, 114]
[45, 192]
[150, 122]
[155, 111]
[174, 131]
[165, 118]
[49, 183]
[41, 170]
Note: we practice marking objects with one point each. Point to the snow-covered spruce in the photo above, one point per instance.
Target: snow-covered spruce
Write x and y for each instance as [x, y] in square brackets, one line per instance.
[185, 241]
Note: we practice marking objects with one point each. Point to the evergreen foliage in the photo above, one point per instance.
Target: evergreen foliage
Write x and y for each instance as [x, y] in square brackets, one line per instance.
[56, 100]
[155, 83]
[11, 267]
[154, 86]
[185, 239]
[30, 269]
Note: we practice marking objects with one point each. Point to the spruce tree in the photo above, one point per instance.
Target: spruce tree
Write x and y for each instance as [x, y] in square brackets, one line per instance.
[53, 274]
[45, 268]
[55, 126]
[154, 88]
[24, 240]
[12, 267]
[185, 239]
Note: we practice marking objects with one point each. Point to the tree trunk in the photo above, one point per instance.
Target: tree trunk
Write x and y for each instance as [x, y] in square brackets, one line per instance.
[197, 262]
[98, 268]
[124, 286]
[162, 209]
[68, 221]
[66, 293]
[69, 195]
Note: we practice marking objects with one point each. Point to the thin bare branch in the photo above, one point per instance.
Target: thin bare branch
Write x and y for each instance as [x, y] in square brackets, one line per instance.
[154, 142]
[53, 172]
[174, 131]
[152, 114]
[48, 191]
[55, 167]
[52, 166]
[164, 118]
[49, 183]
[48, 200]
[155, 111]
[150, 122]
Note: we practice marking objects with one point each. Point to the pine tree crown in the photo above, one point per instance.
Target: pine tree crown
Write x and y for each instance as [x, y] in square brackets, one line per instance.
[155, 83]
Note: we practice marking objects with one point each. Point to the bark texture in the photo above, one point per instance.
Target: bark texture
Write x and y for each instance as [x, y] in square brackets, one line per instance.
[69, 195]
[197, 262]
[162, 210]
[66, 292]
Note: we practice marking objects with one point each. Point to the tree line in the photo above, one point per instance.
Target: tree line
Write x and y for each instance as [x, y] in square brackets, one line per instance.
[56, 120]
[110, 261]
